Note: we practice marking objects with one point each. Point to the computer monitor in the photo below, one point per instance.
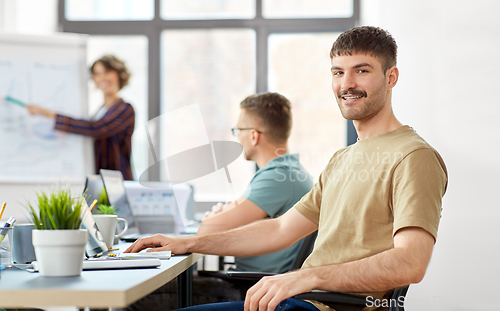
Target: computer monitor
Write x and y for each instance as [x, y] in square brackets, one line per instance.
[113, 183]
[93, 188]
[161, 207]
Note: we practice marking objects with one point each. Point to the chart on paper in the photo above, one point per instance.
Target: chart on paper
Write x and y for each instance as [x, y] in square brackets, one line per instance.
[48, 75]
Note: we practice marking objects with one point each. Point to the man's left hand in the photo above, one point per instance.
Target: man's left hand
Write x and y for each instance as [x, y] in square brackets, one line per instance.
[270, 291]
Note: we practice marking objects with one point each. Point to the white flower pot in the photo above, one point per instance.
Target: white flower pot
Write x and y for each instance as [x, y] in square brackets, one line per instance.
[60, 252]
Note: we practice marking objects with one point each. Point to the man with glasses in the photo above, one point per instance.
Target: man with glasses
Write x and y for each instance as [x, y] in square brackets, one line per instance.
[263, 129]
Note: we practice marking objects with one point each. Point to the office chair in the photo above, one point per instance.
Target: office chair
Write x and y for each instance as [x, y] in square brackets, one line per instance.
[338, 301]
[346, 302]
[243, 280]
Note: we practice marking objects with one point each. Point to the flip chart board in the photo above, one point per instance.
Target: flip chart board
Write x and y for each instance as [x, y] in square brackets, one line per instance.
[49, 71]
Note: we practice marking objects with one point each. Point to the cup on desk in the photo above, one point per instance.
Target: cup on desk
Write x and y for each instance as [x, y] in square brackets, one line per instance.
[21, 243]
[107, 227]
[5, 250]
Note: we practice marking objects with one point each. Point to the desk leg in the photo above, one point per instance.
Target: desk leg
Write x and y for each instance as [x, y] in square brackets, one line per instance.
[185, 289]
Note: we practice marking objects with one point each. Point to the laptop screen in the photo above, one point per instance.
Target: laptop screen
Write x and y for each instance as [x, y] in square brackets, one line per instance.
[115, 190]
[93, 188]
[95, 245]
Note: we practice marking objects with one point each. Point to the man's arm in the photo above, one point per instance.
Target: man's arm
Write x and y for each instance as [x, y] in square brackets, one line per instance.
[232, 216]
[258, 238]
[404, 264]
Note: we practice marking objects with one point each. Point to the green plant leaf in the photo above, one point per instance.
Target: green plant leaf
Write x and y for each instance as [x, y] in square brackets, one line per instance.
[103, 197]
[56, 210]
[106, 209]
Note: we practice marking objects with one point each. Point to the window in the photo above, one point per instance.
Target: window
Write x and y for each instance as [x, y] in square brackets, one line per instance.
[217, 75]
[299, 70]
[213, 53]
[109, 10]
[203, 9]
[307, 8]
[133, 50]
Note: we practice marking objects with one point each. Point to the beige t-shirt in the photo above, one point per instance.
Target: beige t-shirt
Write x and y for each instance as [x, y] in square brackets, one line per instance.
[369, 191]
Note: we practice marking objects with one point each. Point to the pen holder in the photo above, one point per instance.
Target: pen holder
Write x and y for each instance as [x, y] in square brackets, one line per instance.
[2, 266]
[21, 243]
[5, 249]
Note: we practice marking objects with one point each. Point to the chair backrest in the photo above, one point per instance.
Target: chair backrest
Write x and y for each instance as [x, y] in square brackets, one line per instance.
[398, 298]
[305, 250]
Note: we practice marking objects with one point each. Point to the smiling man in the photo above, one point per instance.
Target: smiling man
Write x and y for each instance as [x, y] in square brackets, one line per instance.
[376, 205]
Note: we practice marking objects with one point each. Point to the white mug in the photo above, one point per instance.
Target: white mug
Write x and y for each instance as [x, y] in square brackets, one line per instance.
[107, 227]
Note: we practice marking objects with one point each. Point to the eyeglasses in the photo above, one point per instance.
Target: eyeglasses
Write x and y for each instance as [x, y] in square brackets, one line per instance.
[236, 130]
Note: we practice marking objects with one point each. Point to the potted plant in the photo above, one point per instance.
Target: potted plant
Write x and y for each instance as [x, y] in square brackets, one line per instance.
[57, 238]
[106, 209]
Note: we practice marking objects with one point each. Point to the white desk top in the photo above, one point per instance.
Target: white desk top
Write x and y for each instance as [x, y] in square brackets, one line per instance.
[97, 289]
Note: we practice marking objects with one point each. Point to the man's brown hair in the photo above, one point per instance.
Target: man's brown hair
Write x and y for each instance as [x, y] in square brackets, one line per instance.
[370, 40]
[273, 112]
[111, 62]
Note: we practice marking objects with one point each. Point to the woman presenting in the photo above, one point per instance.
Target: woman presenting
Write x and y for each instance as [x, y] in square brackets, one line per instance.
[112, 125]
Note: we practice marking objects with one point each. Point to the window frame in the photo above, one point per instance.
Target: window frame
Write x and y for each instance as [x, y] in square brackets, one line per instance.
[152, 29]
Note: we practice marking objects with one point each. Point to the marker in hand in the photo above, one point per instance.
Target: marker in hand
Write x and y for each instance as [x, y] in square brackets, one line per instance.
[15, 101]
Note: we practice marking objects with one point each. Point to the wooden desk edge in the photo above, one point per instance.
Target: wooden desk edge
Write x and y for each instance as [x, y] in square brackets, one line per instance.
[157, 281]
[96, 299]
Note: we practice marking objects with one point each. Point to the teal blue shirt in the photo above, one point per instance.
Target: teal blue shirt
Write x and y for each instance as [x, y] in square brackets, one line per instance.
[275, 188]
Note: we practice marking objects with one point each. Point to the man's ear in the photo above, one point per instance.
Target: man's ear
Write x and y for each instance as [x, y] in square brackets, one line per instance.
[255, 137]
[392, 77]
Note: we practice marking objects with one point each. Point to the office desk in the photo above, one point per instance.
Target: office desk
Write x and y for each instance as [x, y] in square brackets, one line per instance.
[95, 289]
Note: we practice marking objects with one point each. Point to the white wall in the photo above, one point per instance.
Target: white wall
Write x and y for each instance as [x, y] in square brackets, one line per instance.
[28, 16]
[449, 79]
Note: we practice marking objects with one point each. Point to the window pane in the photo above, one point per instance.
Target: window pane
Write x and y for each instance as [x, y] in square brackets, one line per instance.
[214, 69]
[133, 50]
[307, 8]
[299, 68]
[207, 9]
[110, 10]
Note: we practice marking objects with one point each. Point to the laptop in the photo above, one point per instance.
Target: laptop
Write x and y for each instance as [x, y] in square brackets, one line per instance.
[151, 207]
[99, 257]
[113, 184]
[93, 188]
[161, 207]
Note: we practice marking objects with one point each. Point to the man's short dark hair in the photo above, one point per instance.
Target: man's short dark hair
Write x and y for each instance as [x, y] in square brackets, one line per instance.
[370, 40]
[274, 113]
[111, 62]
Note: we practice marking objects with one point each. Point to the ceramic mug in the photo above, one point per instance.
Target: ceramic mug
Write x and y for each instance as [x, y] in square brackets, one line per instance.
[107, 227]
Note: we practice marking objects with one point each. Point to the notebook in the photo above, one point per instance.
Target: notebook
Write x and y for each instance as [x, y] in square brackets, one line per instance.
[134, 236]
[114, 263]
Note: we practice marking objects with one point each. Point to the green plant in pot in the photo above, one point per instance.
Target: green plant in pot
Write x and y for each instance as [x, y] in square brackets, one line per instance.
[57, 238]
[106, 209]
